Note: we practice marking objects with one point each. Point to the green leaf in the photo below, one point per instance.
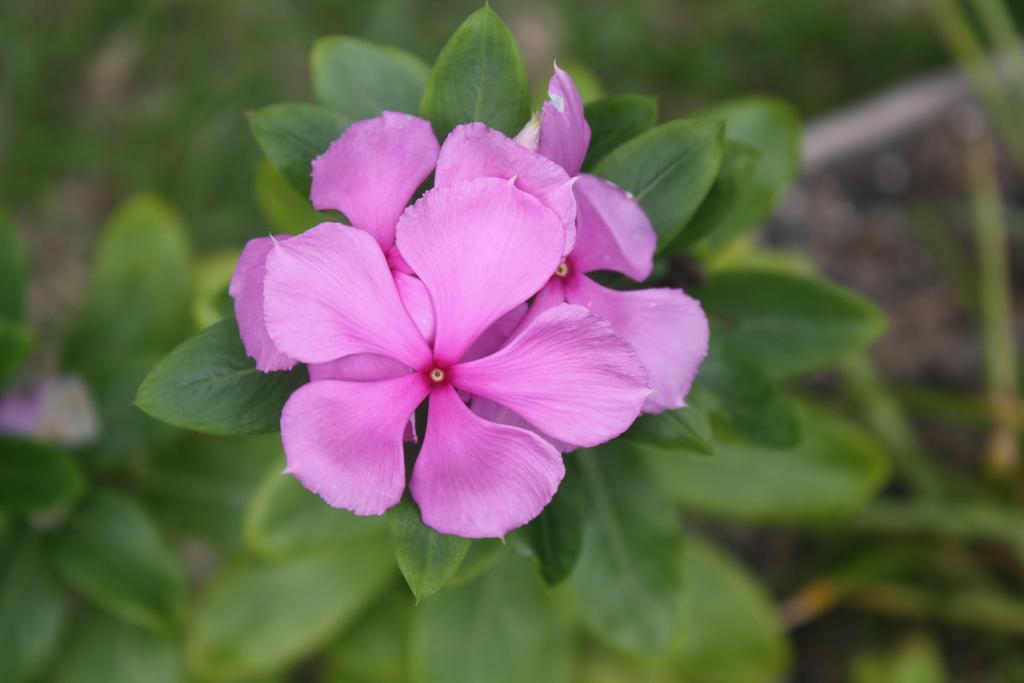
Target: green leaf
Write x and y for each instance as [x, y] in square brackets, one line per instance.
[15, 343]
[479, 76]
[616, 119]
[284, 518]
[13, 273]
[35, 476]
[556, 535]
[111, 551]
[259, 618]
[787, 323]
[686, 429]
[917, 660]
[103, 649]
[426, 558]
[209, 385]
[292, 135]
[773, 128]
[627, 584]
[203, 485]
[834, 471]
[212, 278]
[745, 399]
[501, 628]
[140, 293]
[361, 79]
[375, 649]
[31, 608]
[482, 555]
[669, 169]
[739, 162]
[732, 631]
[283, 207]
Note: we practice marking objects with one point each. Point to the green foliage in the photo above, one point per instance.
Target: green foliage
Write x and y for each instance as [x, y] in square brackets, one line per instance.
[669, 169]
[282, 206]
[789, 324]
[292, 135]
[283, 518]
[260, 617]
[15, 336]
[203, 485]
[733, 633]
[833, 471]
[136, 310]
[773, 129]
[31, 608]
[479, 76]
[361, 79]
[631, 541]
[35, 476]
[376, 649]
[745, 399]
[112, 551]
[917, 660]
[426, 558]
[684, 429]
[501, 628]
[556, 536]
[102, 649]
[614, 120]
[209, 385]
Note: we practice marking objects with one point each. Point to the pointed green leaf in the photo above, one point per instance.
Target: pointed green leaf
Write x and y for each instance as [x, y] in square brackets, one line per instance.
[773, 128]
[282, 206]
[31, 608]
[292, 135]
[284, 518]
[111, 550]
[732, 633]
[686, 429]
[209, 385]
[669, 169]
[834, 470]
[35, 476]
[103, 649]
[556, 535]
[614, 120]
[426, 558]
[258, 618]
[501, 628]
[917, 660]
[361, 79]
[743, 397]
[739, 161]
[627, 585]
[789, 324]
[479, 76]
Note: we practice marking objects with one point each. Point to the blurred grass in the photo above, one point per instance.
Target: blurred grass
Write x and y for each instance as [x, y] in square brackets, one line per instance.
[150, 94]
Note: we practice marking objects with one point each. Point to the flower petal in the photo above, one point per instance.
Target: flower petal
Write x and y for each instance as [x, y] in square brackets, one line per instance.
[246, 289]
[495, 412]
[473, 150]
[612, 230]
[373, 169]
[497, 334]
[416, 299]
[564, 132]
[481, 247]
[359, 367]
[329, 293]
[480, 479]
[568, 374]
[667, 328]
[343, 440]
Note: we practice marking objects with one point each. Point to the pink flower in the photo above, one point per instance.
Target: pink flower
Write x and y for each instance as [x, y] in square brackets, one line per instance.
[667, 328]
[481, 249]
[369, 174]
